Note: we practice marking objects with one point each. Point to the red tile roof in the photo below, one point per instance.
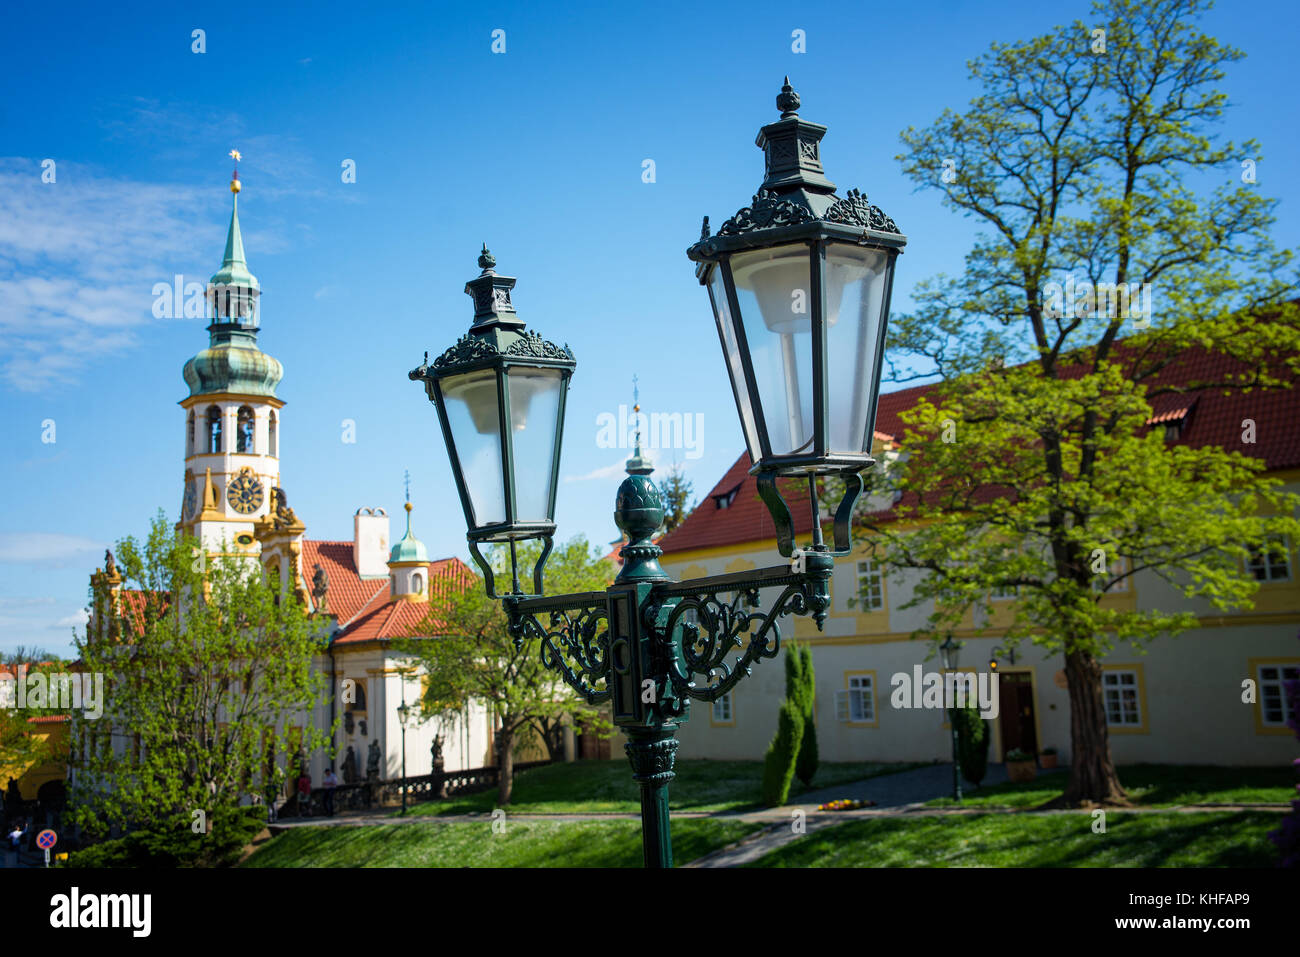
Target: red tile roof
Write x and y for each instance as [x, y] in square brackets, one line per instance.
[364, 607]
[349, 593]
[1208, 416]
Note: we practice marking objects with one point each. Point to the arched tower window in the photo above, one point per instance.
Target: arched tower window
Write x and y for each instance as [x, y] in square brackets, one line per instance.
[189, 436]
[272, 450]
[214, 429]
[417, 583]
[244, 430]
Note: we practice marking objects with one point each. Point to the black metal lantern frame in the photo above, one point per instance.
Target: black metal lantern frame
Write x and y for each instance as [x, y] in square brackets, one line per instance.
[796, 217]
[649, 645]
[498, 346]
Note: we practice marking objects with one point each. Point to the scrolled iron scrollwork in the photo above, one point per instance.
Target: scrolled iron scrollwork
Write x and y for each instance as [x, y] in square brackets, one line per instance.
[574, 644]
[701, 647]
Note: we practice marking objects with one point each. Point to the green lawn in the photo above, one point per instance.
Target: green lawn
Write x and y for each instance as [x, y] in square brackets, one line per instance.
[457, 844]
[1210, 839]
[1151, 785]
[596, 786]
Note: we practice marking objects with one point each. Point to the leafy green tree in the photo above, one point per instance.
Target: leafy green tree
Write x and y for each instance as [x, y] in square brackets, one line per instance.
[474, 659]
[207, 667]
[20, 748]
[676, 490]
[1032, 466]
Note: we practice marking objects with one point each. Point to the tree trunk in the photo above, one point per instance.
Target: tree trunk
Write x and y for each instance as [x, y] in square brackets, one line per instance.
[506, 763]
[1093, 779]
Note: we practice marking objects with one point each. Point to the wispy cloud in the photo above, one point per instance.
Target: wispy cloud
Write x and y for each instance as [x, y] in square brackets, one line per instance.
[50, 548]
[78, 261]
[608, 471]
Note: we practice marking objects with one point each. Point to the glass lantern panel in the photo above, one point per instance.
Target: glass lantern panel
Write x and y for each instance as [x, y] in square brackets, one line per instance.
[473, 412]
[775, 299]
[857, 279]
[534, 418]
[735, 368]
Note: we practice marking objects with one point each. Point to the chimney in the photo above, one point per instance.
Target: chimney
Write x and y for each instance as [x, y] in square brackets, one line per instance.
[370, 542]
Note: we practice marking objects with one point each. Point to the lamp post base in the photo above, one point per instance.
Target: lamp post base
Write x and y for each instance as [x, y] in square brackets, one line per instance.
[652, 754]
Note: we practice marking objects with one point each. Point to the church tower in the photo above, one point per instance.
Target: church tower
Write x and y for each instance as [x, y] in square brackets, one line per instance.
[408, 563]
[232, 419]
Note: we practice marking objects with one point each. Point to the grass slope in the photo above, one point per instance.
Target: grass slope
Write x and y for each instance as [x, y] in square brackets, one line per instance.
[456, 844]
[1152, 785]
[1210, 839]
[604, 786]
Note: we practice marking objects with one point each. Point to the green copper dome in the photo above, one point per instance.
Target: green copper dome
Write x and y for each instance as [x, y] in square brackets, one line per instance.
[410, 548]
[228, 367]
[232, 362]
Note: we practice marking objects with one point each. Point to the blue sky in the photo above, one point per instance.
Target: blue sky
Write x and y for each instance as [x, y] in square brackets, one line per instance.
[538, 151]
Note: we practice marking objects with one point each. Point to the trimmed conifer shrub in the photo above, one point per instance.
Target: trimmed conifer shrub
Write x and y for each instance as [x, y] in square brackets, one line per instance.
[806, 764]
[779, 762]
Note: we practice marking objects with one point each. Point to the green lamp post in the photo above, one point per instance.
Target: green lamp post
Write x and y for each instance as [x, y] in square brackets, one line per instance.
[799, 282]
[949, 651]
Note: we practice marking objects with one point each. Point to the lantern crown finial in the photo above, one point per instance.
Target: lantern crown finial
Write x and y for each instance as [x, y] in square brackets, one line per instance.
[787, 101]
[493, 307]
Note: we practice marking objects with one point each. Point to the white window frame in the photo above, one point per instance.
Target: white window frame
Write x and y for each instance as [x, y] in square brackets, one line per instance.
[1118, 685]
[722, 712]
[1274, 685]
[1266, 561]
[1118, 566]
[856, 704]
[874, 574]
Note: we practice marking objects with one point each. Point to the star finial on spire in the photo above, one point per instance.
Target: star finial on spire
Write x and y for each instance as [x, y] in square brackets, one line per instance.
[234, 177]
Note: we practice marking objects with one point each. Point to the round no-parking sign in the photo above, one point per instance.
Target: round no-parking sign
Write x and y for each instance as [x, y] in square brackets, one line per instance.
[46, 839]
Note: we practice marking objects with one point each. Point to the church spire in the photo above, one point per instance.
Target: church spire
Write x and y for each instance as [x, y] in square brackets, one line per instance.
[639, 463]
[232, 362]
[233, 291]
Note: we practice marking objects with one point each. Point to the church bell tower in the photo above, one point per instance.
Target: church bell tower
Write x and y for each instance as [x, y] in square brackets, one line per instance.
[232, 418]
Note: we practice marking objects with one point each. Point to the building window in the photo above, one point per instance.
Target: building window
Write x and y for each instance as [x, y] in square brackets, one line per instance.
[189, 436]
[722, 709]
[726, 498]
[244, 430]
[270, 435]
[1120, 691]
[1274, 708]
[417, 583]
[871, 586]
[1272, 561]
[857, 704]
[214, 430]
[1004, 592]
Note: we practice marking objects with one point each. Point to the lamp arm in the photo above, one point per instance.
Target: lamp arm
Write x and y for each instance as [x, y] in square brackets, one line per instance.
[575, 641]
[701, 647]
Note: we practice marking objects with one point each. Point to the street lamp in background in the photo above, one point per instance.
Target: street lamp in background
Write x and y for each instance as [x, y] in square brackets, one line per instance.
[403, 718]
[799, 283]
[950, 650]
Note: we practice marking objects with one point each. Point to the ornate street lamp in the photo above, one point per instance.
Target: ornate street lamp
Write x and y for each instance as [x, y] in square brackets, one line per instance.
[403, 717]
[800, 284]
[950, 650]
[500, 395]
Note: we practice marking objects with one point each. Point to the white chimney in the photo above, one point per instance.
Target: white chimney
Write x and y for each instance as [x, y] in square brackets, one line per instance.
[370, 542]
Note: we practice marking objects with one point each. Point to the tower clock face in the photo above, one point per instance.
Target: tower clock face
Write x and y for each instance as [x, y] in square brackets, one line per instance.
[244, 493]
[190, 500]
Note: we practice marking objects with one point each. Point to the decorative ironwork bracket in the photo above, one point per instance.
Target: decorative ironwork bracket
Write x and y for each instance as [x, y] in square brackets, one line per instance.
[691, 627]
